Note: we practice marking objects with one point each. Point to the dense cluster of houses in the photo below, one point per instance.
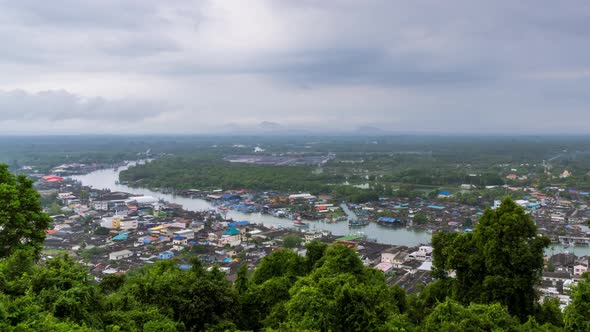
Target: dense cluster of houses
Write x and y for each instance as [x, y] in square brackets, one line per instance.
[562, 271]
[114, 232]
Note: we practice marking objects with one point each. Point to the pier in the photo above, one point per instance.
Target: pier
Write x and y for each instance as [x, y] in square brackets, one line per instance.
[574, 240]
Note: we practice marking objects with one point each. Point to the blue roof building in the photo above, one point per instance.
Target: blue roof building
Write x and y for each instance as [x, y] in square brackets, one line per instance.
[121, 237]
[230, 197]
[389, 221]
[239, 223]
[231, 231]
[166, 254]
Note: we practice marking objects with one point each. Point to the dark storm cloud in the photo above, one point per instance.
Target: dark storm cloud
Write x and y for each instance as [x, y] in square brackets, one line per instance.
[60, 106]
[365, 66]
[475, 66]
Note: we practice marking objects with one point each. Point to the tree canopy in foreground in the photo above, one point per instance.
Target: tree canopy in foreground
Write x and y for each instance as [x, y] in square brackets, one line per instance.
[500, 262]
[22, 221]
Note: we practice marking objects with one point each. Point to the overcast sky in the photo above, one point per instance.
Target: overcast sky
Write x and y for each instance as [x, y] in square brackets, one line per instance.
[153, 66]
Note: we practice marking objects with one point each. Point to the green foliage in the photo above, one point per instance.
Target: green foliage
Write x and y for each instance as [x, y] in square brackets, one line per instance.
[420, 218]
[112, 283]
[282, 263]
[577, 314]
[102, 231]
[328, 290]
[66, 290]
[450, 316]
[92, 252]
[340, 294]
[242, 282]
[422, 304]
[210, 173]
[549, 313]
[291, 241]
[315, 252]
[261, 299]
[501, 261]
[22, 221]
[185, 296]
[54, 209]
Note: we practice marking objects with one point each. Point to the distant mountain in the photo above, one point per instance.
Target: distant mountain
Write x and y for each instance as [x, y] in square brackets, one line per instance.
[270, 128]
[268, 125]
[370, 130]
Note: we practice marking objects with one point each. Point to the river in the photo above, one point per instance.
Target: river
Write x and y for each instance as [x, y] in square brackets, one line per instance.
[107, 179]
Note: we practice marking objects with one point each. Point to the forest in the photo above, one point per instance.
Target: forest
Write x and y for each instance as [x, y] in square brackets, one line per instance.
[390, 161]
[383, 165]
[327, 290]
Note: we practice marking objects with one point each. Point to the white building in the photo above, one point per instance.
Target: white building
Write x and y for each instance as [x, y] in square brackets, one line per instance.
[302, 196]
[179, 242]
[387, 257]
[188, 233]
[100, 205]
[128, 224]
[423, 254]
[116, 255]
[312, 236]
[579, 269]
[143, 200]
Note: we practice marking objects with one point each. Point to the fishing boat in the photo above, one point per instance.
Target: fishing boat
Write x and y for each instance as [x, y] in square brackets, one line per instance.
[357, 222]
[299, 223]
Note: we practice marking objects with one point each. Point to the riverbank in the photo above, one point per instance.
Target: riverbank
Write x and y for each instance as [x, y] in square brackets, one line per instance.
[108, 178]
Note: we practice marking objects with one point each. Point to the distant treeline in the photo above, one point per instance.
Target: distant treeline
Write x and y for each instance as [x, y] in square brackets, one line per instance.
[204, 173]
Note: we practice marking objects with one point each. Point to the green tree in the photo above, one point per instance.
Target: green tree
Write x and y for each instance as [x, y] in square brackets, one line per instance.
[467, 223]
[282, 262]
[422, 304]
[102, 231]
[65, 289]
[241, 283]
[315, 252]
[54, 208]
[577, 313]
[501, 261]
[291, 241]
[341, 295]
[112, 283]
[196, 298]
[451, 316]
[22, 221]
[259, 302]
[420, 218]
[549, 313]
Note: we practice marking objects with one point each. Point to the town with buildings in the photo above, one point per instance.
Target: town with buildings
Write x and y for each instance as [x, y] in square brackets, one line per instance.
[115, 232]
